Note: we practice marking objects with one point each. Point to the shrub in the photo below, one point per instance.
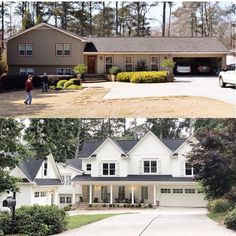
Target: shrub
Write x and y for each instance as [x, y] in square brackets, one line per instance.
[149, 77]
[104, 205]
[141, 65]
[80, 69]
[74, 87]
[169, 64]
[75, 81]
[149, 205]
[67, 208]
[67, 84]
[124, 76]
[114, 70]
[230, 219]
[61, 83]
[40, 220]
[5, 220]
[90, 205]
[219, 205]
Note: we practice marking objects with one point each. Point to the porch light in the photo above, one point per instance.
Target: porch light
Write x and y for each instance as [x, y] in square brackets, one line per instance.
[100, 58]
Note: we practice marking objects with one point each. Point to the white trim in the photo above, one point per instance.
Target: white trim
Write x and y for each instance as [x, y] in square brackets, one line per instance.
[186, 141]
[148, 133]
[50, 26]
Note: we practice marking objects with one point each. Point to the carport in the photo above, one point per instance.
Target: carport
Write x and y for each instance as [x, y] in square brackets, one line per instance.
[216, 63]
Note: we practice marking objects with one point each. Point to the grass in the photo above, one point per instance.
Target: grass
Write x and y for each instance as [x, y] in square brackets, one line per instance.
[80, 220]
[218, 217]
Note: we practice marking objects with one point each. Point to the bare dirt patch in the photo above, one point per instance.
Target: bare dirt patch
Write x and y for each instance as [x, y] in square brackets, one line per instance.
[89, 103]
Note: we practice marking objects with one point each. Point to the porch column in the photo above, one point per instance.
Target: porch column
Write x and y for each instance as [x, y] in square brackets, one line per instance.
[90, 194]
[154, 195]
[132, 195]
[111, 195]
[73, 193]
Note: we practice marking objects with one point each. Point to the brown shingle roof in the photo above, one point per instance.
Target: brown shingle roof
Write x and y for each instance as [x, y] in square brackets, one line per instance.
[155, 44]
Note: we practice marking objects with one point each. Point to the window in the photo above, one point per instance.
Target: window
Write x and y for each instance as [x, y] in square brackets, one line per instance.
[67, 49]
[109, 169]
[88, 167]
[65, 200]
[43, 194]
[63, 49]
[128, 64]
[66, 179]
[36, 194]
[26, 71]
[177, 190]
[109, 63]
[189, 190]
[64, 71]
[188, 169]
[144, 192]
[25, 49]
[154, 63]
[45, 170]
[150, 166]
[165, 190]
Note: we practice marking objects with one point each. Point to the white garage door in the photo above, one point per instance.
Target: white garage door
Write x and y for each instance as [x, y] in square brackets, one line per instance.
[178, 196]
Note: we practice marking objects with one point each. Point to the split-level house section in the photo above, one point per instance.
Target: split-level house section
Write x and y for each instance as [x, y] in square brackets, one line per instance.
[150, 170]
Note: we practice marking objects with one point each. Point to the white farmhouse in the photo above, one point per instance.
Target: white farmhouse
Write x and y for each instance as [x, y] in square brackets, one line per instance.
[148, 170]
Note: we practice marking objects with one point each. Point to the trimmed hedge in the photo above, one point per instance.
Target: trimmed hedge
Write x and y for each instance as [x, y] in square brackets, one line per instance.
[40, 220]
[5, 220]
[74, 87]
[219, 205]
[230, 219]
[143, 77]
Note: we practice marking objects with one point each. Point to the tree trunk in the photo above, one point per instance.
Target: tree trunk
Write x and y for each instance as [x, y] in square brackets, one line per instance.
[77, 148]
[117, 20]
[90, 18]
[2, 16]
[164, 19]
[170, 15]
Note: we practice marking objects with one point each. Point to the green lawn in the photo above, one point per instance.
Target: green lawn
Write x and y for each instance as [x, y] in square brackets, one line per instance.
[80, 220]
[218, 217]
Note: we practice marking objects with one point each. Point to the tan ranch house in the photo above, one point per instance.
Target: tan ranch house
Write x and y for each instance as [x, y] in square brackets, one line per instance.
[46, 48]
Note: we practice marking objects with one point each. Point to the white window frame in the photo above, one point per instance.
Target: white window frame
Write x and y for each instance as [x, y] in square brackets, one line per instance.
[108, 64]
[87, 167]
[43, 194]
[36, 194]
[62, 47]
[156, 64]
[109, 168]
[65, 200]
[185, 169]
[62, 71]
[66, 180]
[66, 49]
[26, 49]
[26, 71]
[132, 63]
[150, 166]
[59, 49]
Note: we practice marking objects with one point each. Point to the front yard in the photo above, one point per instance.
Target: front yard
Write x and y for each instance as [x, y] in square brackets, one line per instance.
[89, 102]
[218, 217]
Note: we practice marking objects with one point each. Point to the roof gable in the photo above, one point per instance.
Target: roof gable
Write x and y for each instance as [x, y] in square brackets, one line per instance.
[51, 27]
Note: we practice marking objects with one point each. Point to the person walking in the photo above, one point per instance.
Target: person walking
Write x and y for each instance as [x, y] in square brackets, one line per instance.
[28, 89]
[45, 83]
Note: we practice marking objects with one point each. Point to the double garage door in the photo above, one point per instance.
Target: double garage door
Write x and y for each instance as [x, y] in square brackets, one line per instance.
[181, 197]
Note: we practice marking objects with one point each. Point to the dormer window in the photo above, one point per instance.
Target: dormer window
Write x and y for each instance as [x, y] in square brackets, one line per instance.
[109, 169]
[88, 167]
[45, 168]
[189, 169]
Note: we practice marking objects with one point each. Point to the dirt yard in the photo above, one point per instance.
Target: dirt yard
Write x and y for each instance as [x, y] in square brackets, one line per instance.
[89, 103]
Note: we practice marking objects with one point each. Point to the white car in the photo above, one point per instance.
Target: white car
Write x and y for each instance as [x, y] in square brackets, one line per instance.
[182, 68]
[228, 76]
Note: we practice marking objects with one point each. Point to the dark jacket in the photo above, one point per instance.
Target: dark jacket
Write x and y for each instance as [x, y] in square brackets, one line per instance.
[28, 85]
[45, 79]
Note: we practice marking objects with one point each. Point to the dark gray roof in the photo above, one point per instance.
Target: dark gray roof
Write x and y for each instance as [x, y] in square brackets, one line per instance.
[30, 167]
[126, 145]
[43, 182]
[155, 44]
[75, 163]
[173, 144]
[134, 178]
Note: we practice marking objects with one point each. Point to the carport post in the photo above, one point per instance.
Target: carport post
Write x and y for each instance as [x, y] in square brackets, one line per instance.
[111, 195]
[154, 195]
[90, 193]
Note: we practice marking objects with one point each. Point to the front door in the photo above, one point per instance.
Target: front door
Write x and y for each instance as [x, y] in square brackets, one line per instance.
[92, 64]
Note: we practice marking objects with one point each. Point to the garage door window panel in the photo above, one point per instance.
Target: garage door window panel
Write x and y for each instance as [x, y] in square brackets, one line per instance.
[190, 190]
[165, 190]
[177, 190]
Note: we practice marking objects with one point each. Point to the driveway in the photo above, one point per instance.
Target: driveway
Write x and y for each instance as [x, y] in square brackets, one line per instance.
[201, 86]
[162, 221]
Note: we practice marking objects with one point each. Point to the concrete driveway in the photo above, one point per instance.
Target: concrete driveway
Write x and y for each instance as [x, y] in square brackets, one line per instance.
[201, 86]
[162, 221]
